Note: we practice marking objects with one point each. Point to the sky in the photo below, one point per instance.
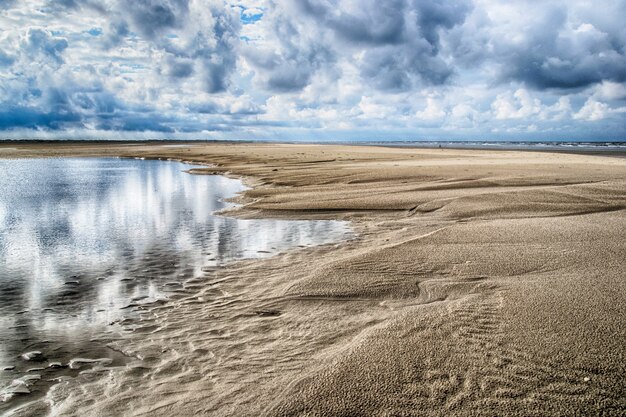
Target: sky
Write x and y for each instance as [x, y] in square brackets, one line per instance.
[315, 70]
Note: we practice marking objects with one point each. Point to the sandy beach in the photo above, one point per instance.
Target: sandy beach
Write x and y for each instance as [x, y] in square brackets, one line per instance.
[482, 282]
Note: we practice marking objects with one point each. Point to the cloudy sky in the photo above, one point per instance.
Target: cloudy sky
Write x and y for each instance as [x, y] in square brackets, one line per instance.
[313, 69]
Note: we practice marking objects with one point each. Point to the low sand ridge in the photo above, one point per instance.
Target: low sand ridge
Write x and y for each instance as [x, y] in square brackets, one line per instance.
[482, 283]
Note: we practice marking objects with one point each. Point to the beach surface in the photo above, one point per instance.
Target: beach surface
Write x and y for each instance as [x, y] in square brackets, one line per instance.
[482, 282]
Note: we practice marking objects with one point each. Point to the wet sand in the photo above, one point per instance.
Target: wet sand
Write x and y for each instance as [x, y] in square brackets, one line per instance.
[482, 283]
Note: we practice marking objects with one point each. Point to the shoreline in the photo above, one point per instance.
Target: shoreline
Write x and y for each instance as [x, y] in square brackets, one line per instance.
[459, 146]
[466, 328]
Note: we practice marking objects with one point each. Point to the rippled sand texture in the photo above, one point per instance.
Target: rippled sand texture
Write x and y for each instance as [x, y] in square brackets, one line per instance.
[483, 283]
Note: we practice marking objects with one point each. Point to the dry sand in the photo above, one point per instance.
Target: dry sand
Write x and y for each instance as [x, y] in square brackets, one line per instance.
[482, 283]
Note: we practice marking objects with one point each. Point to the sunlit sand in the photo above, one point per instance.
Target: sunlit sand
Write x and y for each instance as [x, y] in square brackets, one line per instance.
[481, 282]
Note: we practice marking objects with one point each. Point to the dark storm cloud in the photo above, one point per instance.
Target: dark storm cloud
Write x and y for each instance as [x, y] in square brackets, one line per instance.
[212, 46]
[117, 31]
[555, 56]
[134, 122]
[299, 55]
[219, 61]
[177, 67]
[393, 68]
[67, 4]
[374, 23]
[213, 43]
[434, 16]
[401, 45]
[99, 102]
[62, 6]
[149, 17]
[152, 17]
[554, 46]
[34, 118]
[61, 111]
[41, 42]
[399, 41]
[389, 22]
[414, 58]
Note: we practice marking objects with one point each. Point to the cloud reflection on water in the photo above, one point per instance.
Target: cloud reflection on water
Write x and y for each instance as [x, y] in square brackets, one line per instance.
[81, 238]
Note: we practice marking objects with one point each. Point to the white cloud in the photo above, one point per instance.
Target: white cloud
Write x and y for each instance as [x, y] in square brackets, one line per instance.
[370, 108]
[433, 111]
[592, 110]
[518, 105]
[608, 90]
[561, 110]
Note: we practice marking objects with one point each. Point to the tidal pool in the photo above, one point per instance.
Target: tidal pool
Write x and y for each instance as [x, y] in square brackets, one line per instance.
[83, 238]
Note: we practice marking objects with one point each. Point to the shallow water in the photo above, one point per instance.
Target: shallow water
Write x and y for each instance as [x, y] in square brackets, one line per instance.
[82, 239]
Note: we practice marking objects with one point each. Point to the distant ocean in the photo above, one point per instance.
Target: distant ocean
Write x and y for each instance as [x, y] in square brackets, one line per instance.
[608, 147]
